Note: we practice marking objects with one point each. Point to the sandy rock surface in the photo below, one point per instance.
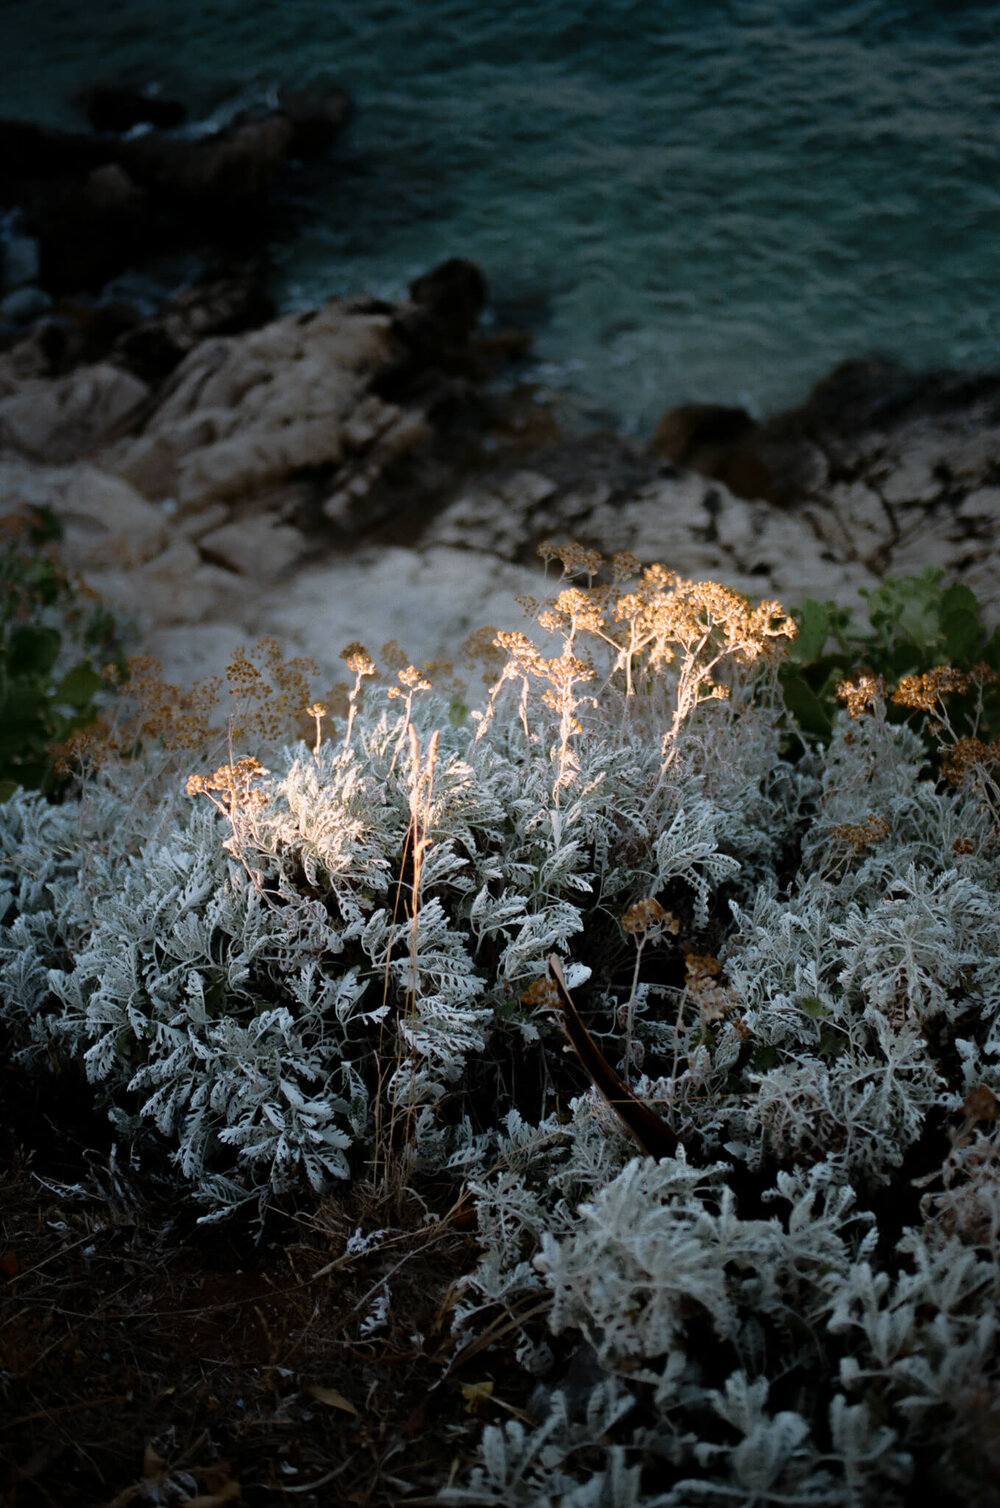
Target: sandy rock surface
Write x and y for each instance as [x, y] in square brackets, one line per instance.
[304, 480]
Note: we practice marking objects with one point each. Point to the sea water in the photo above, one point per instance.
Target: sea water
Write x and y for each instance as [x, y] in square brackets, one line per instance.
[690, 199]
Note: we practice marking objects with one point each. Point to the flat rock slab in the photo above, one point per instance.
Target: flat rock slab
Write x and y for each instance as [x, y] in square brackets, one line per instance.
[428, 601]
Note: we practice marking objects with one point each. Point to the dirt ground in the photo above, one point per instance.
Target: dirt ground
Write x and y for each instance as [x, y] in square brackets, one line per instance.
[145, 1359]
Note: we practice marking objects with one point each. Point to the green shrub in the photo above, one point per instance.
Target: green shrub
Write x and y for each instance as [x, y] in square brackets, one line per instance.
[52, 631]
[914, 624]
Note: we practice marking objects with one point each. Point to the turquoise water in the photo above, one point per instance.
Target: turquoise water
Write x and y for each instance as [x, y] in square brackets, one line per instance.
[689, 200]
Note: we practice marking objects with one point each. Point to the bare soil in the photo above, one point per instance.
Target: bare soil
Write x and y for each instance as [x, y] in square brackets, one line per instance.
[146, 1359]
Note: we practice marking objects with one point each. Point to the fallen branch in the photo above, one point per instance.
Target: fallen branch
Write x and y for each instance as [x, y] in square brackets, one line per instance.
[648, 1130]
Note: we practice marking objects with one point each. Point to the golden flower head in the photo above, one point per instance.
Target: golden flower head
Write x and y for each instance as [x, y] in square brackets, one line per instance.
[861, 693]
[358, 659]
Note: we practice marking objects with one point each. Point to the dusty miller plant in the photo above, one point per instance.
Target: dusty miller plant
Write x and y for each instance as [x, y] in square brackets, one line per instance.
[320, 968]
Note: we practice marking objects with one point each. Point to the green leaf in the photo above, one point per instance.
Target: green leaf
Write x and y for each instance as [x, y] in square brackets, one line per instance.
[831, 1045]
[7, 789]
[215, 998]
[805, 706]
[814, 626]
[959, 599]
[32, 649]
[765, 1057]
[814, 1007]
[78, 686]
[961, 632]
[25, 718]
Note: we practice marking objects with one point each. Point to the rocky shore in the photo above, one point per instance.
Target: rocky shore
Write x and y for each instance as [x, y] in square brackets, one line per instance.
[373, 471]
[354, 472]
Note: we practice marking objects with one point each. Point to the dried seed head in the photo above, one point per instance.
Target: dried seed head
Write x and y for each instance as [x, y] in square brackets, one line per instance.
[643, 915]
[541, 994]
[862, 693]
[358, 659]
[860, 834]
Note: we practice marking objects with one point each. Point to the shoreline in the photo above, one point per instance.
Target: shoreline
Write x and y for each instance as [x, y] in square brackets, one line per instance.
[364, 471]
[377, 470]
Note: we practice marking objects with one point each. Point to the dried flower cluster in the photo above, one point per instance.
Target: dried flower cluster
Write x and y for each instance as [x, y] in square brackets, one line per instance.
[967, 761]
[148, 713]
[861, 834]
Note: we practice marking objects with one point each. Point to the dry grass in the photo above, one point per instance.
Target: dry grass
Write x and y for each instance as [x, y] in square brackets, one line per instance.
[144, 1359]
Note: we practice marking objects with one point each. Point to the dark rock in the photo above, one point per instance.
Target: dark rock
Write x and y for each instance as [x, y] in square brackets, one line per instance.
[117, 108]
[228, 303]
[779, 469]
[72, 333]
[316, 119]
[101, 326]
[694, 434]
[29, 152]
[432, 334]
[452, 295]
[97, 204]
[833, 437]
[874, 394]
[88, 228]
[213, 174]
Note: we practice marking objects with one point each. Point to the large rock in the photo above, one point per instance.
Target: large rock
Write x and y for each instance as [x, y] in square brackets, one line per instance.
[883, 465]
[242, 414]
[73, 416]
[105, 522]
[91, 226]
[257, 547]
[867, 419]
[291, 418]
[214, 174]
[297, 413]
[175, 588]
[81, 205]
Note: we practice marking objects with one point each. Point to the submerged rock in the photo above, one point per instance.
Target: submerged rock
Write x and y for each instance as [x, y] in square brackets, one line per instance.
[93, 204]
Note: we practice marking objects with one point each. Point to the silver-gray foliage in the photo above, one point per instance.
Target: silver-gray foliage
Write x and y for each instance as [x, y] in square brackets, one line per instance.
[741, 1324]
